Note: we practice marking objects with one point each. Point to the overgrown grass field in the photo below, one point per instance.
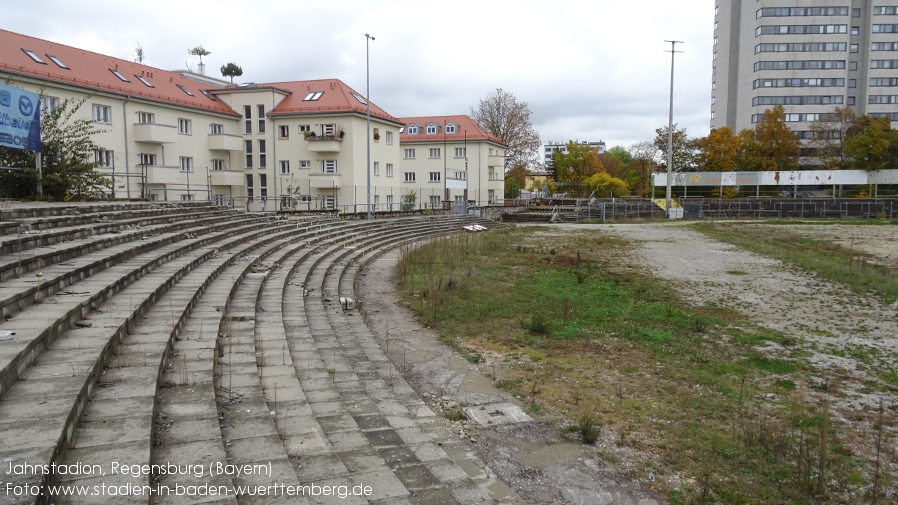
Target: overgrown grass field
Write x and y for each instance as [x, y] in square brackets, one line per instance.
[561, 320]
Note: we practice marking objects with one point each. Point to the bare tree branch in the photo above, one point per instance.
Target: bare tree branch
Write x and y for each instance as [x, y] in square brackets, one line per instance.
[500, 114]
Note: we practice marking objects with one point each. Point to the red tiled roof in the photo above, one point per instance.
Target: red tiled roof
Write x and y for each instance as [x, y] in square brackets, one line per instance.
[336, 97]
[92, 71]
[467, 129]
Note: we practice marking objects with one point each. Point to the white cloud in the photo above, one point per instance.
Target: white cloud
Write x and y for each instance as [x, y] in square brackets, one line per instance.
[589, 70]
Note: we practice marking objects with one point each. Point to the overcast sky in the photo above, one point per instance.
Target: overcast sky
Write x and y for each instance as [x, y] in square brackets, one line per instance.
[589, 70]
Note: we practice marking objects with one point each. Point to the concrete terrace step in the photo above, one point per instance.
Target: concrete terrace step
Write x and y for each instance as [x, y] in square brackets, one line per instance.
[22, 262]
[20, 292]
[83, 352]
[31, 336]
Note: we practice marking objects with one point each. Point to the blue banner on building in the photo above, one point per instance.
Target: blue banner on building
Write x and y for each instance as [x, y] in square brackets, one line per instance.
[20, 118]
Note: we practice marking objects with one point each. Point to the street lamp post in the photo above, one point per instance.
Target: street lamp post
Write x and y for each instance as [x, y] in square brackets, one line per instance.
[368, 39]
[673, 44]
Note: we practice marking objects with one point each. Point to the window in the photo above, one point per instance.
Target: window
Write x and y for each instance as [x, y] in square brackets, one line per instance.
[185, 90]
[434, 152]
[217, 129]
[435, 201]
[885, 28]
[850, 101]
[884, 46]
[187, 198]
[218, 165]
[434, 177]
[147, 159]
[798, 83]
[853, 48]
[390, 201]
[431, 129]
[34, 56]
[144, 80]
[376, 134]
[104, 159]
[855, 30]
[801, 11]
[247, 116]
[249, 186]
[261, 126]
[186, 164]
[880, 11]
[359, 98]
[328, 129]
[248, 149]
[412, 129]
[409, 177]
[263, 187]
[119, 75]
[263, 161]
[49, 104]
[461, 152]
[801, 47]
[855, 13]
[800, 65]
[389, 138]
[248, 126]
[376, 168]
[261, 118]
[313, 96]
[184, 126]
[451, 128]
[803, 29]
[409, 153]
[102, 113]
[285, 167]
[305, 164]
[329, 166]
[146, 117]
[207, 95]
[852, 83]
[852, 65]
[283, 131]
[330, 202]
[303, 128]
[389, 170]
[797, 100]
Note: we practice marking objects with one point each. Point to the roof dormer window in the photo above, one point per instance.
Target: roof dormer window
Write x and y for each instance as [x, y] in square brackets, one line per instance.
[143, 80]
[451, 128]
[119, 75]
[33, 56]
[313, 96]
[185, 90]
[432, 129]
[58, 62]
[412, 129]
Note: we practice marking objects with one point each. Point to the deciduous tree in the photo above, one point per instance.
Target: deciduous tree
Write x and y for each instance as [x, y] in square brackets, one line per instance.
[573, 167]
[200, 51]
[830, 133]
[683, 149]
[515, 181]
[872, 144]
[502, 115]
[717, 151]
[606, 186]
[777, 146]
[644, 155]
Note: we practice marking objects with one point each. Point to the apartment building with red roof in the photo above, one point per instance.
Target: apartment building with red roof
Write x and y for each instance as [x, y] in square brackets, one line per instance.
[177, 135]
[452, 159]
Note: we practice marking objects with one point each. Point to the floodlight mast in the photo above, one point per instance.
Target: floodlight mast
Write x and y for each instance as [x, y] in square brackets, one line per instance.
[673, 51]
[368, 38]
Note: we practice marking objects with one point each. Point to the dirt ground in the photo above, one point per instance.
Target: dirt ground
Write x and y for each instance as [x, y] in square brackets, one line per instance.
[840, 330]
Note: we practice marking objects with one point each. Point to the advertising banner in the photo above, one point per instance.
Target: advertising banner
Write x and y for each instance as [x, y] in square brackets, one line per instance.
[20, 120]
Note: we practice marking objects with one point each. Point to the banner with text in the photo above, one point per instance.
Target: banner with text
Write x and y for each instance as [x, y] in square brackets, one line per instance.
[20, 120]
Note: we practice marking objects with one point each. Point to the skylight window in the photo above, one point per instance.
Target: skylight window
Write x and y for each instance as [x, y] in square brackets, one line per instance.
[59, 62]
[34, 56]
[210, 97]
[143, 80]
[313, 96]
[185, 90]
[359, 98]
[119, 75]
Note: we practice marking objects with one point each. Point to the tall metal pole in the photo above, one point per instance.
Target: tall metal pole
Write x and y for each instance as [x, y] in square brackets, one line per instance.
[673, 44]
[368, 38]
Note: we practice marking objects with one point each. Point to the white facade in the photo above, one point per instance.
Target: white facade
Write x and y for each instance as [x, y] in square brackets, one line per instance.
[552, 146]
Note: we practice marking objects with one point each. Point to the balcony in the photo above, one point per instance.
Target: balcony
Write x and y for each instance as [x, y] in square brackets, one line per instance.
[495, 160]
[324, 144]
[222, 142]
[153, 133]
[167, 175]
[324, 181]
[226, 177]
